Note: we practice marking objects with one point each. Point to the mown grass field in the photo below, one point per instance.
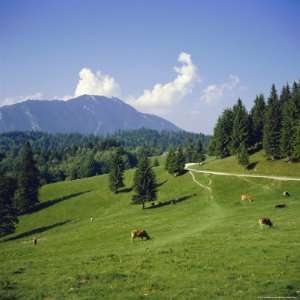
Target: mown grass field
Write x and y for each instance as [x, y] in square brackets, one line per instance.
[207, 246]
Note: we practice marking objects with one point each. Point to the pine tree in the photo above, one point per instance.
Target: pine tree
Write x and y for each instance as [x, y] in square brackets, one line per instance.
[257, 121]
[28, 181]
[242, 154]
[240, 131]
[155, 163]
[180, 161]
[116, 173]
[144, 182]
[199, 152]
[272, 128]
[296, 144]
[223, 133]
[289, 123]
[170, 165]
[88, 166]
[8, 212]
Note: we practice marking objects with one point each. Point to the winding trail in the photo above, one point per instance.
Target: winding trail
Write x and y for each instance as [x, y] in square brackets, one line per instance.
[282, 178]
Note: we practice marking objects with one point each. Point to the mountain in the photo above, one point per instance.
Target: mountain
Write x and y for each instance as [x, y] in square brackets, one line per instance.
[85, 114]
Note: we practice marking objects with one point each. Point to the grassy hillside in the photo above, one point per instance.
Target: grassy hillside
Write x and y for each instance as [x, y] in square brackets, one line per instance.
[258, 165]
[207, 246]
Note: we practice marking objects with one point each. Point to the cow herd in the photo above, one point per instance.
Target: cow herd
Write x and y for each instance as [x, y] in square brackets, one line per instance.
[265, 221]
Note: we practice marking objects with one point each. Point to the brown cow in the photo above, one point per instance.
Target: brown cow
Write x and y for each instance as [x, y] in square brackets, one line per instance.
[246, 197]
[140, 233]
[265, 221]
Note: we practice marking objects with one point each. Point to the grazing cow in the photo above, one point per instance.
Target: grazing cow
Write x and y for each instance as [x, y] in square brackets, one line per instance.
[286, 194]
[34, 241]
[139, 233]
[246, 197]
[265, 221]
[280, 206]
[92, 219]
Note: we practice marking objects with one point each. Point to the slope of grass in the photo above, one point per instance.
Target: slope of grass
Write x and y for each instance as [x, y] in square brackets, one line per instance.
[207, 246]
[258, 165]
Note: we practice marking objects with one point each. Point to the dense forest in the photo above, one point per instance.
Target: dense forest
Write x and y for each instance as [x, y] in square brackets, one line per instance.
[71, 156]
[272, 125]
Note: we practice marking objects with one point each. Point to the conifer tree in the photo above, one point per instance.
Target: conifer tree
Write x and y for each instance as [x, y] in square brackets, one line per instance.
[296, 144]
[242, 154]
[8, 212]
[170, 165]
[88, 166]
[144, 182]
[180, 161]
[116, 173]
[257, 121]
[240, 131]
[272, 128]
[28, 181]
[199, 152]
[223, 133]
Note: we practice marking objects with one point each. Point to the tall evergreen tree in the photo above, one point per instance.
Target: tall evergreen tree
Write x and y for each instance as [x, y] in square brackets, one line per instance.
[288, 123]
[296, 144]
[170, 165]
[223, 133]
[180, 161]
[272, 128]
[28, 181]
[242, 154]
[144, 182]
[116, 173]
[8, 212]
[257, 121]
[240, 131]
[199, 152]
[88, 166]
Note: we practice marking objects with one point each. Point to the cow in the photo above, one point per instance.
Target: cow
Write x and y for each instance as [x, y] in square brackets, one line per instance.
[139, 233]
[280, 206]
[266, 222]
[34, 241]
[246, 197]
[286, 194]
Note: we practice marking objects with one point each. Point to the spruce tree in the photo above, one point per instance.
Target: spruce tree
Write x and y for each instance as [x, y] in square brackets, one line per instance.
[223, 134]
[272, 127]
[116, 173]
[242, 154]
[88, 166]
[199, 152]
[296, 144]
[28, 181]
[170, 165]
[240, 131]
[8, 212]
[144, 182]
[257, 121]
[180, 161]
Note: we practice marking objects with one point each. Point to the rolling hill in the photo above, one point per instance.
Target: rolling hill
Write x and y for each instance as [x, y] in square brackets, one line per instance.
[207, 246]
[86, 114]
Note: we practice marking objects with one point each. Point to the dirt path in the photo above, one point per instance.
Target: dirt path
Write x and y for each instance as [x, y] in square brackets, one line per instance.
[202, 185]
[282, 178]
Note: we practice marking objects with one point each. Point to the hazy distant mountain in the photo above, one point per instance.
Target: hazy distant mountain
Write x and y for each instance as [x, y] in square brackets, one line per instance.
[85, 114]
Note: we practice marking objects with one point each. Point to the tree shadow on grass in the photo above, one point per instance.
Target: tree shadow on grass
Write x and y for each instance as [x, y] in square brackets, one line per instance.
[36, 231]
[172, 201]
[161, 183]
[252, 165]
[46, 204]
[125, 190]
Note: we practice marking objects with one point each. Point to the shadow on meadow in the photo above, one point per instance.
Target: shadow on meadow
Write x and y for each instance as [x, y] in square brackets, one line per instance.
[172, 201]
[49, 203]
[36, 231]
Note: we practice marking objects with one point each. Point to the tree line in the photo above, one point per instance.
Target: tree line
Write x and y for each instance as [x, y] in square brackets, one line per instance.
[72, 156]
[272, 125]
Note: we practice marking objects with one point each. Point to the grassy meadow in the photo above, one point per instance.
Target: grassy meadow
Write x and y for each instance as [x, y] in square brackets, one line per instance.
[207, 246]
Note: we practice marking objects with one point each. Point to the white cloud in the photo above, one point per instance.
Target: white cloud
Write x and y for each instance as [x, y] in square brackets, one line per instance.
[18, 99]
[214, 92]
[96, 84]
[163, 96]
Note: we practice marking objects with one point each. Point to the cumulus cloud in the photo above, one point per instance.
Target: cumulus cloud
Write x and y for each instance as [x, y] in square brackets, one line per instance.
[163, 96]
[214, 92]
[18, 99]
[96, 84]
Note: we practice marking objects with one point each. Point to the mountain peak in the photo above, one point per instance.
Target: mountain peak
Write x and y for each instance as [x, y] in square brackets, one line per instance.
[86, 114]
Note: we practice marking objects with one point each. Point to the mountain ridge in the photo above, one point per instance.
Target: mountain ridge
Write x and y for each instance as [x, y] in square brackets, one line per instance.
[86, 114]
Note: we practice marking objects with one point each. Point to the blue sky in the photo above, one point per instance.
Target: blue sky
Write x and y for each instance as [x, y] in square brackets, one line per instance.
[222, 50]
